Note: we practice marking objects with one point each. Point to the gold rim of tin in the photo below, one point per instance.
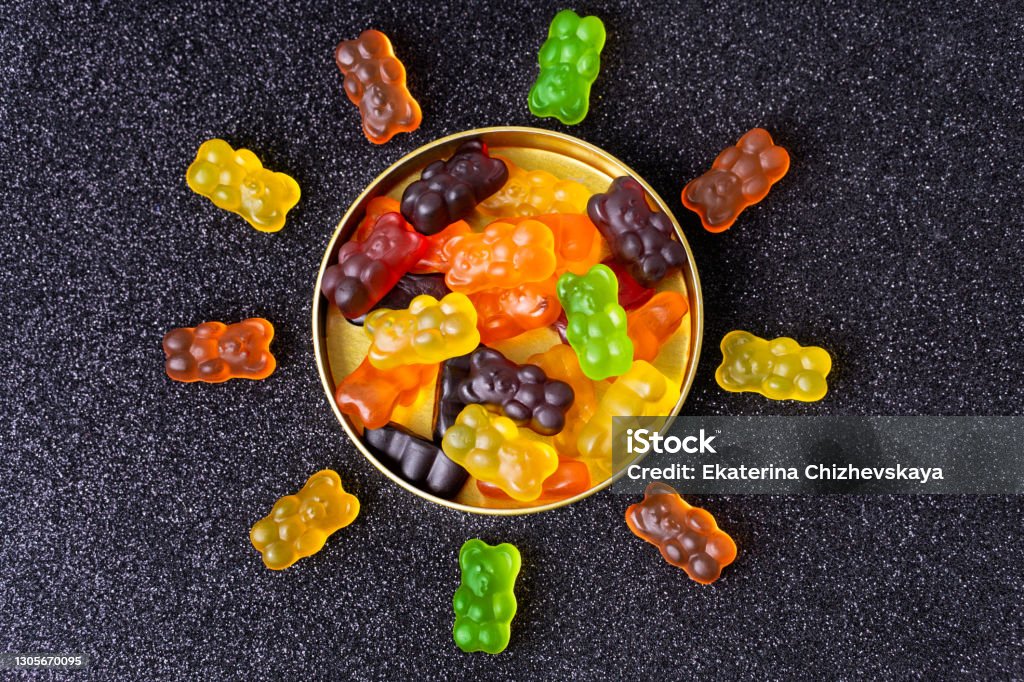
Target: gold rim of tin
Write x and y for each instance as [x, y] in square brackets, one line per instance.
[690, 277]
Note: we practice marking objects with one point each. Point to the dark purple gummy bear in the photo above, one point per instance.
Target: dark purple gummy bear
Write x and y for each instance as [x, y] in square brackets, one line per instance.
[415, 460]
[640, 238]
[524, 393]
[406, 289]
[449, 190]
[447, 402]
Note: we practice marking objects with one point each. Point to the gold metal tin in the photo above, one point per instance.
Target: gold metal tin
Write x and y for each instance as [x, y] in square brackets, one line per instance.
[532, 148]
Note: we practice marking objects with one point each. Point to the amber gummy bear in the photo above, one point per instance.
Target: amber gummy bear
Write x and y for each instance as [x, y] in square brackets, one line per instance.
[214, 352]
[299, 525]
[740, 177]
[686, 536]
[375, 82]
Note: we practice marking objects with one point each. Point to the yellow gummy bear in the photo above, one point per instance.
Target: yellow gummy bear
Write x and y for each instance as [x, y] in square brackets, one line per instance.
[236, 181]
[299, 525]
[643, 391]
[491, 449]
[780, 369]
[530, 193]
[427, 332]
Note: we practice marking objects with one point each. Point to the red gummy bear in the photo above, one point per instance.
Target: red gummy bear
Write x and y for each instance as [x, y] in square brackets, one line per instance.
[740, 177]
[369, 269]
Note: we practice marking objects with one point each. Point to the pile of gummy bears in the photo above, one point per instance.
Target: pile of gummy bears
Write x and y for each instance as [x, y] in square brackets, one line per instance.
[434, 296]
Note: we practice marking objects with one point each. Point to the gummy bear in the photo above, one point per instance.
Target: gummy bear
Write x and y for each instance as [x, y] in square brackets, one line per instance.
[485, 601]
[299, 525]
[578, 244]
[740, 177]
[428, 332]
[506, 313]
[367, 270]
[437, 257]
[686, 536]
[639, 237]
[370, 395]
[523, 393]
[417, 461]
[448, 191]
[560, 362]
[780, 369]
[597, 323]
[534, 193]
[214, 352]
[653, 324]
[491, 449]
[448, 402]
[375, 82]
[632, 294]
[406, 289]
[236, 181]
[570, 479]
[501, 257]
[643, 391]
[570, 60]
[375, 208]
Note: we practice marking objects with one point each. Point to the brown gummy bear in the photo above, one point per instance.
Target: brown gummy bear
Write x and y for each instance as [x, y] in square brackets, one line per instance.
[686, 536]
[214, 352]
[375, 82]
[740, 177]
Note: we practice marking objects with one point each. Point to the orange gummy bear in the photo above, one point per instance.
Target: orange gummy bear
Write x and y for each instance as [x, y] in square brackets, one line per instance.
[654, 323]
[370, 395]
[299, 525]
[686, 536]
[740, 177]
[214, 352]
[570, 478]
[578, 244]
[507, 313]
[375, 82]
[502, 256]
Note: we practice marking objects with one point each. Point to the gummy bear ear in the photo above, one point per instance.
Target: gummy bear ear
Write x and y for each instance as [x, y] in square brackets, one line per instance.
[373, 44]
[774, 161]
[591, 31]
[564, 24]
[345, 54]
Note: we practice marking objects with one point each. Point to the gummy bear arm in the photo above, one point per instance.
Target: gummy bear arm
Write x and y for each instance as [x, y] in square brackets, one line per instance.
[549, 53]
[589, 65]
[504, 606]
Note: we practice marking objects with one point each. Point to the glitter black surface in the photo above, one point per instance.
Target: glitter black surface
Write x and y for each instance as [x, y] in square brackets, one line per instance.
[895, 241]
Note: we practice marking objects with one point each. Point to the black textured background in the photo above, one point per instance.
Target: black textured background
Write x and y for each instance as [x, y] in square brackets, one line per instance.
[125, 499]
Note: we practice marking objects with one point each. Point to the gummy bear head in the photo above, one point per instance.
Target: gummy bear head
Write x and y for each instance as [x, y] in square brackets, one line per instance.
[386, 108]
[560, 92]
[471, 160]
[486, 569]
[720, 195]
[588, 293]
[323, 500]
[263, 194]
[243, 345]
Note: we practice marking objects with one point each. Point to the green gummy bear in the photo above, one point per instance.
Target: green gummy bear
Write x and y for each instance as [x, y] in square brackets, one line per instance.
[570, 60]
[485, 602]
[597, 323]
